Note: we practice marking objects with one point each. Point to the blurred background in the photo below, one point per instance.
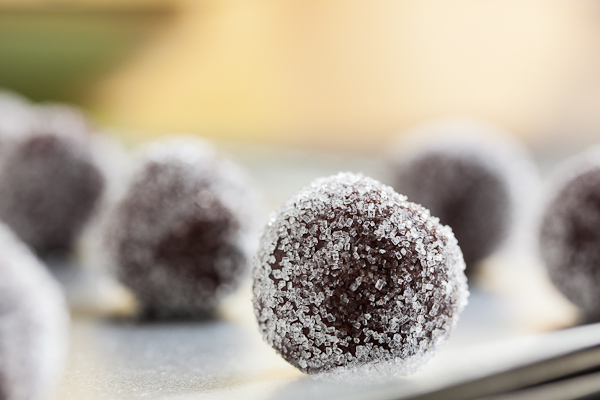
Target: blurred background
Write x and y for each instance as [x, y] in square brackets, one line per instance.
[335, 74]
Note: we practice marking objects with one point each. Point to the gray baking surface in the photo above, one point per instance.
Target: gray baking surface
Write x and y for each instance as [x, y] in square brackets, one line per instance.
[111, 357]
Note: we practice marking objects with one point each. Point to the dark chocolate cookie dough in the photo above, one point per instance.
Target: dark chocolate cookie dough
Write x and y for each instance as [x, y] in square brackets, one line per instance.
[351, 274]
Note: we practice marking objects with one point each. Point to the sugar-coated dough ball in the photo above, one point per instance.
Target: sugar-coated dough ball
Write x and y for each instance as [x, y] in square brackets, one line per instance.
[570, 231]
[180, 236]
[350, 274]
[50, 181]
[472, 176]
[33, 324]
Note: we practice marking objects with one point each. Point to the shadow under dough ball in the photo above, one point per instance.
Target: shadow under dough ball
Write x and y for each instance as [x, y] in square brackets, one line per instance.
[465, 192]
[33, 324]
[49, 181]
[350, 274]
[179, 236]
[569, 237]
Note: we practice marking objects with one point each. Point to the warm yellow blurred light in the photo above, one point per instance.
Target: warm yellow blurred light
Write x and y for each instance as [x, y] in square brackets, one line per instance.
[323, 72]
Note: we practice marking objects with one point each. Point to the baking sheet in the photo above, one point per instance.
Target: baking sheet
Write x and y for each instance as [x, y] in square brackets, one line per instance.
[512, 306]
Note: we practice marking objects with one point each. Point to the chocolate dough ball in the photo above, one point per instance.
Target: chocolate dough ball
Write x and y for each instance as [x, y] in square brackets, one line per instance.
[470, 177]
[179, 237]
[49, 181]
[465, 192]
[350, 274]
[569, 237]
[33, 323]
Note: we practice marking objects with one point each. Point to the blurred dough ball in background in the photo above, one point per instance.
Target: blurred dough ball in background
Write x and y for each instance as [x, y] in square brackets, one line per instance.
[345, 74]
[473, 176]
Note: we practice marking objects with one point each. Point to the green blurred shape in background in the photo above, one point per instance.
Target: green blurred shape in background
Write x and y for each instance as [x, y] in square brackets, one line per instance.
[56, 54]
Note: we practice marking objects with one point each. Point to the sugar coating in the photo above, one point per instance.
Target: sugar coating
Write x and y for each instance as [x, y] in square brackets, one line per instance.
[180, 236]
[33, 324]
[471, 176]
[49, 179]
[569, 236]
[16, 116]
[351, 275]
[67, 120]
